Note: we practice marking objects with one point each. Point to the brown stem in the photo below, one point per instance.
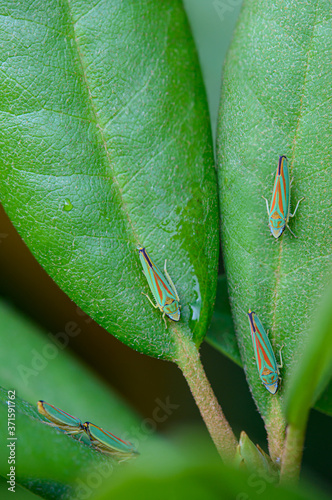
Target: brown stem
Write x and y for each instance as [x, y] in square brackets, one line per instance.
[292, 455]
[221, 433]
[275, 425]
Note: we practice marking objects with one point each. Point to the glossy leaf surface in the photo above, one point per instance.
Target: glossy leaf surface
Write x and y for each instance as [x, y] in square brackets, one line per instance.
[107, 145]
[276, 100]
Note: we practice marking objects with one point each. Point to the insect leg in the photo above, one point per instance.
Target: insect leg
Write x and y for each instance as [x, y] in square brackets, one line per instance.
[171, 282]
[292, 215]
[165, 320]
[151, 302]
[281, 362]
[267, 206]
[291, 231]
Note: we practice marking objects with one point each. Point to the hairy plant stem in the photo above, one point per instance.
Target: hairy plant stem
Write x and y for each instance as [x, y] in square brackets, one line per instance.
[292, 454]
[189, 362]
[275, 425]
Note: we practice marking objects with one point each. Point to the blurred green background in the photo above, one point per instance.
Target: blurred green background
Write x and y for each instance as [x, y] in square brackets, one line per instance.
[138, 378]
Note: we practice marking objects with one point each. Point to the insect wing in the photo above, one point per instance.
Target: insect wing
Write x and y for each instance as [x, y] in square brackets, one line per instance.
[280, 203]
[107, 442]
[263, 348]
[158, 284]
[265, 359]
[281, 191]
[59, 417]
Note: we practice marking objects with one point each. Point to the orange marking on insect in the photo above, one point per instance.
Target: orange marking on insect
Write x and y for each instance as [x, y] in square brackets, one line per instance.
[157, 283]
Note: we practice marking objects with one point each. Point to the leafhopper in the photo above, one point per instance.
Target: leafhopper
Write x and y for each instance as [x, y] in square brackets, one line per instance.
[279, 211]
[108, 443]
[163, 289]
[59, 418]
[267, 366]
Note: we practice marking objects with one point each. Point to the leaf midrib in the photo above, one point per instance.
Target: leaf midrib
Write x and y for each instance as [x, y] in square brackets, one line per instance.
[281, 246]
[100, 129]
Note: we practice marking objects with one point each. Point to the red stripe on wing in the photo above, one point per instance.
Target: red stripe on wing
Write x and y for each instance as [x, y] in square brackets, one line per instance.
[274, 198]
[280, 200]
[258, 351]
[114, 437]
[158, 281]
[263, 348]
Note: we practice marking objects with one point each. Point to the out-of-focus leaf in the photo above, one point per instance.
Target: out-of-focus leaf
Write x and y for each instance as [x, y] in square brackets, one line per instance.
[212, 24]
[37, 366]
[46, 461]
[200, 477]
[315, 370]
[107, 145]
[221, 333]
[20, 492]
[276, 100]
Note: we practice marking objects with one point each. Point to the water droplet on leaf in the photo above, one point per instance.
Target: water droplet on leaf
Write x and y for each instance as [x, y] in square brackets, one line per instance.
[67, 205]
